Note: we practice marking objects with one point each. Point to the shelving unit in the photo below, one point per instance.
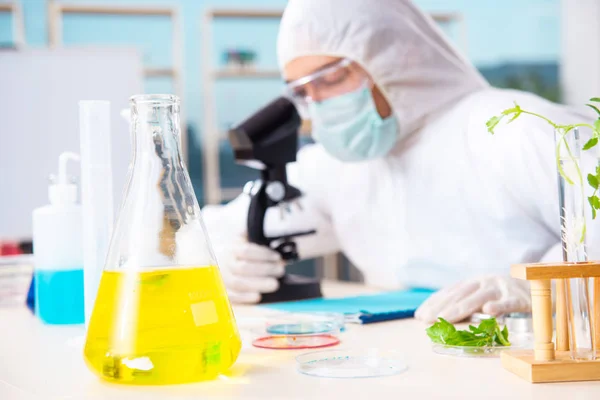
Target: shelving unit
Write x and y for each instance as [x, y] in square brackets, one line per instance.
[57, 10]
[232, 74]
[14, 8]
[212, 136]
[239, 13]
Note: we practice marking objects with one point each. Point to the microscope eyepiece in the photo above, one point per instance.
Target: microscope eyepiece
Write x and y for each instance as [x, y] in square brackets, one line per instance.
[269, 137]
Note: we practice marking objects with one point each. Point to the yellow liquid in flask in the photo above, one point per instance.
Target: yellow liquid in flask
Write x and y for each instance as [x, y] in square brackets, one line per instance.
[161, 326]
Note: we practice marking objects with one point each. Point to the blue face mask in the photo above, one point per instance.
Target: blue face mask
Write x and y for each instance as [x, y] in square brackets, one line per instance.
[350, 128]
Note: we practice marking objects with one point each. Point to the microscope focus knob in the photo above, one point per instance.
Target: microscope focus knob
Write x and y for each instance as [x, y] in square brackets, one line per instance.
[249, 188]
[276, 191]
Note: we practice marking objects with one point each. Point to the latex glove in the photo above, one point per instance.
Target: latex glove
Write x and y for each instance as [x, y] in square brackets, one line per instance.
[494, 296]
[247, 268]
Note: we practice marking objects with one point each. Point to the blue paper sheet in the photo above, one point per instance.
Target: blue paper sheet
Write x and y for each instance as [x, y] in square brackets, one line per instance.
[402, 300]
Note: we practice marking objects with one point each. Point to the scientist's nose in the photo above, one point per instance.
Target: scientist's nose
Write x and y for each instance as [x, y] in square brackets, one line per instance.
[312, 94]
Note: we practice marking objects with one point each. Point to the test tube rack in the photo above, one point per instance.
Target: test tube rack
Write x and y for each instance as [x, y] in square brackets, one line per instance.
[549, 361]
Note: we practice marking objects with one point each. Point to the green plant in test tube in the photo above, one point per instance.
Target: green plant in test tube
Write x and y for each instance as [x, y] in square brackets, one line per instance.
[563, 130]
[572, 217]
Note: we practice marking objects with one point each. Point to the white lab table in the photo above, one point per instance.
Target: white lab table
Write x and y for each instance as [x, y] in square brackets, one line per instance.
[45, 362]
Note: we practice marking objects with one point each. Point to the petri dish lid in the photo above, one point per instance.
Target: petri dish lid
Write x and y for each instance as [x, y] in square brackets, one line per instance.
[518, 342]
[304, 323]
[469, 351]
[292, 342]
[367, 363]
[293, 330]
[517, 322]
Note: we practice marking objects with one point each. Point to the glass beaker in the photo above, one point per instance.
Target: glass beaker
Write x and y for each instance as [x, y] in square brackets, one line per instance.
[161, 315]
[577, 291]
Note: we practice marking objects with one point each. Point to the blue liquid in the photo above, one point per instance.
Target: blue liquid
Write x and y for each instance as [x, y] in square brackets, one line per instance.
[59, 296]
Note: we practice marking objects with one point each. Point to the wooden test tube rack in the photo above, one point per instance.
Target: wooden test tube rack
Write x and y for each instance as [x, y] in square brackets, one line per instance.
[550, 362]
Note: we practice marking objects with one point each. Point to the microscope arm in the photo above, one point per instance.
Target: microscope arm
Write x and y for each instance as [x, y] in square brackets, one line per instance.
[260, 201]
[257, 210]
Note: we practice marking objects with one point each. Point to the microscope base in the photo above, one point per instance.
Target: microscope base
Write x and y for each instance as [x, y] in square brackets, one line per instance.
[294, 287]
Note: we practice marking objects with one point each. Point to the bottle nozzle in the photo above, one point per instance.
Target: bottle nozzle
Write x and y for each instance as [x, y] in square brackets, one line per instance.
[62, 190]
[65, 157]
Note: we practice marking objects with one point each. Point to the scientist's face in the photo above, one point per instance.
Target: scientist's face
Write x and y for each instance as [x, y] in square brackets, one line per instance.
[338, 78]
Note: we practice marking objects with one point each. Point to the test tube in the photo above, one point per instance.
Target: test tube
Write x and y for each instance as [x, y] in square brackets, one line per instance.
[572, 203]
[96, 194]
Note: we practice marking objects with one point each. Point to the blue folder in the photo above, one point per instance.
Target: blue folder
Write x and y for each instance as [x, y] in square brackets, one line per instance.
[374, 308]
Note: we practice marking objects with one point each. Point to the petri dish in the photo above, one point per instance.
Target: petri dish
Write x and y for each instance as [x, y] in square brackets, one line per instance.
[295, 342]
[298, 329]
[304, 323]
[518, 342]
[289, 331]
[517, 322]
[364, 363]
[469, 351]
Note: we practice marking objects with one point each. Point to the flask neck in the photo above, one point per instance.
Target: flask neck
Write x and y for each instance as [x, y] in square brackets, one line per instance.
[156, 130]
[158, 179]
[159, 223]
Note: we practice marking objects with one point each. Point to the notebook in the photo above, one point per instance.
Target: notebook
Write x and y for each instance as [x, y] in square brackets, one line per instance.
[401, 302]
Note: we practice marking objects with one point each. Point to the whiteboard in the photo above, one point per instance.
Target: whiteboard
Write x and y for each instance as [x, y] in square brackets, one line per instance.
[39, 118]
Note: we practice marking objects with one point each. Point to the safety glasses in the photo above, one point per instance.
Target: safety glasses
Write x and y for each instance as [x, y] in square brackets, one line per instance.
[335, 80]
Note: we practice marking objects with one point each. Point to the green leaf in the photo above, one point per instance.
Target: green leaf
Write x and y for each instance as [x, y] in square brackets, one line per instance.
[590, 143]
[516, 113]
[596, 127]
[466, 338]
[512, 110]
[500, 337]
[593, 181]
[595, 99]
[492, 123]
[505, 332]
[595, 203]
[515, 116]
[440, 331]
[593, 107]
[474, 329]
[488, 326]
[486, 334]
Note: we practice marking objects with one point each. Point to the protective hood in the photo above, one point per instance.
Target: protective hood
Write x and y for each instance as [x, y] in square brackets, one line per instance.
[402, 49]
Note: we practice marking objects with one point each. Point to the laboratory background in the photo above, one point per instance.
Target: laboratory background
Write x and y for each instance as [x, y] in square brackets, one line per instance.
[223, 64]
[68, 69]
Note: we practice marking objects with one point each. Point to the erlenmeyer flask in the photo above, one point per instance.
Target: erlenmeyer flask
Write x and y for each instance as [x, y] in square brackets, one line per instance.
[161, 314]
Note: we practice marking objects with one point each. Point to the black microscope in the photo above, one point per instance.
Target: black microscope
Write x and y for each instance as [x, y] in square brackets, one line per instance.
[268, 141]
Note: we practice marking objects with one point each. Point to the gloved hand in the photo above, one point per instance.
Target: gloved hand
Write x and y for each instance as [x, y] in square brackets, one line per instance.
[493, 295]
[247, 268]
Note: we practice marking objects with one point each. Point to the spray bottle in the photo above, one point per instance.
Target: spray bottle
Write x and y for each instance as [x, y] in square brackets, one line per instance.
[58, 251]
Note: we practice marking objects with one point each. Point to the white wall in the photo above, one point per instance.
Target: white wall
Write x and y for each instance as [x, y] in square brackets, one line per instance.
[39, 118]
[580, 58]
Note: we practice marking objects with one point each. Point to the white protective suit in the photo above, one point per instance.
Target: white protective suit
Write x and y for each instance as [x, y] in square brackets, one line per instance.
[450, 202]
